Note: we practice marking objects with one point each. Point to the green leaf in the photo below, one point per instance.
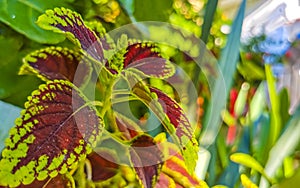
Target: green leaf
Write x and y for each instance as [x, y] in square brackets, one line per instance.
[21, 15]
[56, 130]
[284, 146]
[248, 161]
[147, 8]
[7, 120]
[276, 122]
[14, 89]
[228, 62]
[251, 71]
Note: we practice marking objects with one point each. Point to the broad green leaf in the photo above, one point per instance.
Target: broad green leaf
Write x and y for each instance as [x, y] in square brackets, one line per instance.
[248, 161]
[7, 120]
[58, 63]
[146, 159]
[228, 62]
[14, 89]
[56, 130]
[62, 20]
[21, 15]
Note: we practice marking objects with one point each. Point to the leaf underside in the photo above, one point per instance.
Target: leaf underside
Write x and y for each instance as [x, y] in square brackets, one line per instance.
[54, 132]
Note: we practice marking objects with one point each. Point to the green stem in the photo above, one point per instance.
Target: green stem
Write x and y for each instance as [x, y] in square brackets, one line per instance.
[275, 111]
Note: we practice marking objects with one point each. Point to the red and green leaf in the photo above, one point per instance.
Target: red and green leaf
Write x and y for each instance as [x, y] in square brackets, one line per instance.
[66, 21]
[184, 130]
[58, 63]
[56, 130]
[172, 117]
[145, 57]
[59, 181]
[146, 159]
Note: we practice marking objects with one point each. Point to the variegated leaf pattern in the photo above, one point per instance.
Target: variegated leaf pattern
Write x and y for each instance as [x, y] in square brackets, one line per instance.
[58, 63]
[184, 131]
[56, 130]
[146, 159]
[174, 170]
[172, 117]
[64, 20]
[146, 58]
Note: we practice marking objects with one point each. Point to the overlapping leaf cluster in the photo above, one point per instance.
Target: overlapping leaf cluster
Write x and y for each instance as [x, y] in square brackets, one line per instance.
[60, 126]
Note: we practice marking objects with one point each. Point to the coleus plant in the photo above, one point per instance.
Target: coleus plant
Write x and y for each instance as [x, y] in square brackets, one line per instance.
[61, 126]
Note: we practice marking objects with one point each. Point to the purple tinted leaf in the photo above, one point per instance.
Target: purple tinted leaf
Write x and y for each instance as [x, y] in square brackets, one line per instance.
[57, 63]
[184, 131]
[103, 169]
[173, 119]
[54, 132]
[146, 58]
[64, 20]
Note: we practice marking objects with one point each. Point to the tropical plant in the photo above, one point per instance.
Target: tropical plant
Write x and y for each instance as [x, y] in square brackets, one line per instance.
[61, 127]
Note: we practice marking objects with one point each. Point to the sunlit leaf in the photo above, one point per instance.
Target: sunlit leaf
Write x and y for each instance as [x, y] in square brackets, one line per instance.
[146, 159]
[49, 136]
[66, 21]
[57, 63]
